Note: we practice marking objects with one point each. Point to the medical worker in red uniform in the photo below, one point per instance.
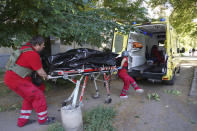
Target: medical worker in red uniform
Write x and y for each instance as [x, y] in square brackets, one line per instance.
[157, 55]
[128, 80]
[33, 96]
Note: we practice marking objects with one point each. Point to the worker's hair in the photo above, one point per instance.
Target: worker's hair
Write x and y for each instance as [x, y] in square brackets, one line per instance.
[125, 53]
[36, 40]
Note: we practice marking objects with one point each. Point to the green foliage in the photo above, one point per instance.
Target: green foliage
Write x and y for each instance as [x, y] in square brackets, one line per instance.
[2, 72]
[126, 11]
[55, 127]
[12, 107]
[173, 91]
[48, 85]
[99, 119]
[192, 122]
[184, 12]
[59, 83]
[82, 21]
[4, 91]
[153, 96]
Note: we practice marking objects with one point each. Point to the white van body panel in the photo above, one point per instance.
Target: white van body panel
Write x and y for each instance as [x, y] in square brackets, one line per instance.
[137, 55]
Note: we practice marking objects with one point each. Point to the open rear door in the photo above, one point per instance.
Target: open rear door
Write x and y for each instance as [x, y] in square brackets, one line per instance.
[119, 43]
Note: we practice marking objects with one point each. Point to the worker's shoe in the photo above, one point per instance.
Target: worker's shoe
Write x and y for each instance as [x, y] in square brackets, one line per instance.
[123, 96]
[49, 120]
[24, 123]
[139, 90]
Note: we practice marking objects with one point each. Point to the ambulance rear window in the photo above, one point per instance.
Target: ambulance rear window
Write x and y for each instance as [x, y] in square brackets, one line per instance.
[118, 43]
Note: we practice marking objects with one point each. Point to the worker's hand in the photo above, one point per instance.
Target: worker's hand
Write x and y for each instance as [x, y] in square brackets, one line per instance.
[45, 77]
[119, 68]
[42, 73]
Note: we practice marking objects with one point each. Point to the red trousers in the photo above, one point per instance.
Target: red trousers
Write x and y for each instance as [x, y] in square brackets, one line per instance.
[127, 81]
[33, 97]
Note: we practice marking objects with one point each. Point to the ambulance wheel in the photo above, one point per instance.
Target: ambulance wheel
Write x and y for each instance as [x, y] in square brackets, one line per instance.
[179, 70]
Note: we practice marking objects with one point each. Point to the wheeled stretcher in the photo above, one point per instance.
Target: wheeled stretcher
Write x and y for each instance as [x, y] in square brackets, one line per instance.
[94, 73]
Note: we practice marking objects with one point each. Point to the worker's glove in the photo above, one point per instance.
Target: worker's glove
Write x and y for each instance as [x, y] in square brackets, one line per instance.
[49, 77]
[119, 68]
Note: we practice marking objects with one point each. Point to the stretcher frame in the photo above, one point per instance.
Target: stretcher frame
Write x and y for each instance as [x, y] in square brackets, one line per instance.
[106, 71]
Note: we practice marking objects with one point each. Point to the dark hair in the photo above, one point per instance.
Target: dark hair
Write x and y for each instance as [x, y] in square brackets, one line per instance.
[36, 40]
[125, 53]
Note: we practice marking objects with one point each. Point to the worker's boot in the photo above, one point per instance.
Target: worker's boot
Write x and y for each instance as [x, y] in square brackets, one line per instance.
[123, 96]
[22, 123]
[48, 121]
[138, 90]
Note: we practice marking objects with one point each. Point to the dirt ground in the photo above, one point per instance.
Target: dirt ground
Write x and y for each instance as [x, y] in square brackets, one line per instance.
[137, 113]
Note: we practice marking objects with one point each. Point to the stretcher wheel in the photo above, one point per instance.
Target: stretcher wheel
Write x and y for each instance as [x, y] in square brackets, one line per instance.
[96, 96]
[108, 100]
[64, 104]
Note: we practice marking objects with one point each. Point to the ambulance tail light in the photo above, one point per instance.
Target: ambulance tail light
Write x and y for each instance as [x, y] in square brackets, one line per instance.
[165, 79]
[137, 45]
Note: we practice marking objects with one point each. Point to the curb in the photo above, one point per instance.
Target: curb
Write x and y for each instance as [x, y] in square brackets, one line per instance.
[193, 89]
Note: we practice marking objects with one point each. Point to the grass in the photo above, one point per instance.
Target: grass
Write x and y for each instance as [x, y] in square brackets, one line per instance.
[2, 71]
[10, 107]
[59, 83]
[55, 127]
[4, 90]
[99, 119]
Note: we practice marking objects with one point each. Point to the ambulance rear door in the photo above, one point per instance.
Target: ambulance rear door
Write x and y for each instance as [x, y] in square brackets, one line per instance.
[119, 43]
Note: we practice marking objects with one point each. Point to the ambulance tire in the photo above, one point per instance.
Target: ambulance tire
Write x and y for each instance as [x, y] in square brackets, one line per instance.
[179, 70]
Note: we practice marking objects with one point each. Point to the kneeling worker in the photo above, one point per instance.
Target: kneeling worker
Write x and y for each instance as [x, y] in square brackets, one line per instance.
[122, 73]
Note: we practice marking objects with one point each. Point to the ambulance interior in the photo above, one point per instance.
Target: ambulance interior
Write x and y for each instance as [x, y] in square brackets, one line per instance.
[149, 58]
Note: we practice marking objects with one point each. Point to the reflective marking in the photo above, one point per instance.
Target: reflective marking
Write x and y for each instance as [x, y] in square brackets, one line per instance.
[24, 117]
[42, 118]
[124, 90]
[135, 86]
[123, 93]
[42, 113]
[26, 111]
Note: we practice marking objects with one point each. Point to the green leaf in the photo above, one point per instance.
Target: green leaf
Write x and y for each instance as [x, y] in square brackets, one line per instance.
[35, 19]
[149, 96]
[85, 1]
[137, 116]
[192, 122]
[157, 99]
[156, 95]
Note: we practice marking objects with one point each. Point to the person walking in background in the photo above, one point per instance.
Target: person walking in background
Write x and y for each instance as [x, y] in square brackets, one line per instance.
[190, 51]
[193, 51]
[128, 80]
[18, 78]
